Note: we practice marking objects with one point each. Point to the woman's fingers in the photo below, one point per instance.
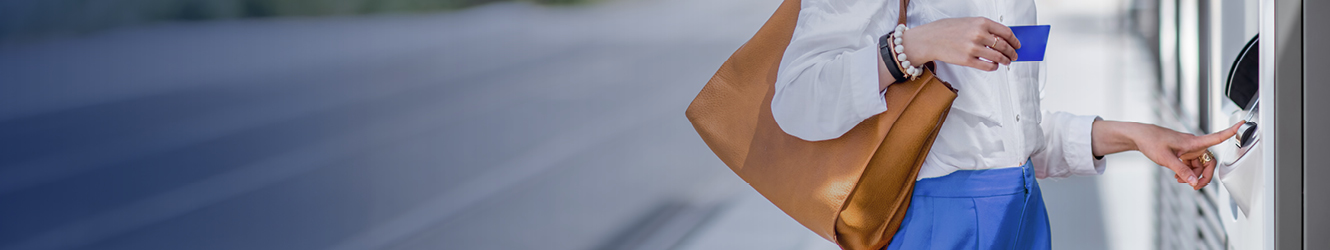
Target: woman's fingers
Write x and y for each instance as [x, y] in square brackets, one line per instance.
[1205, 171]
[991, 55]
[1005, 48]
[993, 36]
[1208, 172]
[1195, 146]
[1181, 169]
[1192, 154]
[1198, 169]
[1002, 31]
[1200, 143]
[975, 62]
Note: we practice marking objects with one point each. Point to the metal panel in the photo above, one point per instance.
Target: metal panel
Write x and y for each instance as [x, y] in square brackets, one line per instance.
[1204, 13]
[1316, 225]
[1283, 20]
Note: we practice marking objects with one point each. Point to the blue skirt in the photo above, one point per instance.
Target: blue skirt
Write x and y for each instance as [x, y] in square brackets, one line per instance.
[976, 209]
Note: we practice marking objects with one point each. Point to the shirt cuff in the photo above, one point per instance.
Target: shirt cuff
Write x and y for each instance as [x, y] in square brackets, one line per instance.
[868, 100]
[1078, 149]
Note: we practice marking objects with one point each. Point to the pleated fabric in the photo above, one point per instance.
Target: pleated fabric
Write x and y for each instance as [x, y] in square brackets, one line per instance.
[976, 209]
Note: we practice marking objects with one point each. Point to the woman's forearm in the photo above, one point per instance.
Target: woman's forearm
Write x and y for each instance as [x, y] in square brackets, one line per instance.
[1177, 151]
[1109, 137]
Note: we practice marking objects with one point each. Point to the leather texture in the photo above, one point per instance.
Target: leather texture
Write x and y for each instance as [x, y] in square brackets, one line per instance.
[853, 190]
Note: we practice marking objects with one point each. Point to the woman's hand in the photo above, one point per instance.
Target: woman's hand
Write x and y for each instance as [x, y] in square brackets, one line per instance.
[1180, 152]
[962, 41]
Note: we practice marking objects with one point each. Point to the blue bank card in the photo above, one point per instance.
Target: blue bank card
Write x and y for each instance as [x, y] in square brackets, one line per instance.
[1034, 39]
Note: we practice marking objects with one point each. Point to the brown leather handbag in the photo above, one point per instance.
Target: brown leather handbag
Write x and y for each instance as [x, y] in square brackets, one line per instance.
[852, 190]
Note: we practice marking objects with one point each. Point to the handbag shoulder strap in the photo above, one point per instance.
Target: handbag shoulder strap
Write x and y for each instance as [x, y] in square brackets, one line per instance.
[904, 4]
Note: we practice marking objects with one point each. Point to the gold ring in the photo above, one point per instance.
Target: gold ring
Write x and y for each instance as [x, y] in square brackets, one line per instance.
[1206, 157]
[995, 38]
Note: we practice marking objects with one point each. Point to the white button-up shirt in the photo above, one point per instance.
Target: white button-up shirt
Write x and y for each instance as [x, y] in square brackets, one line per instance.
[828, 83]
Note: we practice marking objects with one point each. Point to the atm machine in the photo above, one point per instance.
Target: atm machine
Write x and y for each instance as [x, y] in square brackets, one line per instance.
[1262, 62]
[1240, 169]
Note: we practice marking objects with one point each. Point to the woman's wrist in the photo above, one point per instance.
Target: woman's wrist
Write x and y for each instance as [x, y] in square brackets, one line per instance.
[896, 45]
[887, 62]
[916, 49]
[886, 76]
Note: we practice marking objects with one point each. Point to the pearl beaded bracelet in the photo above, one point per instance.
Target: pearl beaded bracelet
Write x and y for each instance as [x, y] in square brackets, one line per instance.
[899, 50]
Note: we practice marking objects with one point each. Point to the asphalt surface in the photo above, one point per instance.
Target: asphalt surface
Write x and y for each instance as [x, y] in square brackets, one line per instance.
[509, 126]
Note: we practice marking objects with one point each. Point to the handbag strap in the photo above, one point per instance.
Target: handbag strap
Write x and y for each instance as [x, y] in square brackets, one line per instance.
[904, 4]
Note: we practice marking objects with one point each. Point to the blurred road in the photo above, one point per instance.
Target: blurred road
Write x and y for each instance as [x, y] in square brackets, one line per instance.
[509, 126]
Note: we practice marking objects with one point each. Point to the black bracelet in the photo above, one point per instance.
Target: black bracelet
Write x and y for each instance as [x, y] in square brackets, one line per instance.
[884, 50]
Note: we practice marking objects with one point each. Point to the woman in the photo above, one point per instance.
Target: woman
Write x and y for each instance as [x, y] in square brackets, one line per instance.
[976, 188]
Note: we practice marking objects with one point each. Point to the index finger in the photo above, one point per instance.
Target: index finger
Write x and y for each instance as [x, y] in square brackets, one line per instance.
[1205, 141]
[1004, 32]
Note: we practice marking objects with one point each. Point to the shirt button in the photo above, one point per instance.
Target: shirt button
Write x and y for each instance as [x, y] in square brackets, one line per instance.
[1018, 117]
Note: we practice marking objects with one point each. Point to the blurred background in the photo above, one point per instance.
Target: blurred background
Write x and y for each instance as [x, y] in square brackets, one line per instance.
[452, 124]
